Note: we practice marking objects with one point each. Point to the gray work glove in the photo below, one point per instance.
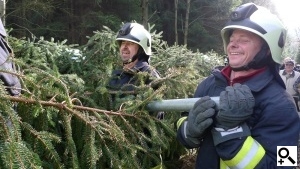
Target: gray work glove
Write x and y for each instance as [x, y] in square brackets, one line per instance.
[236, 106]
[200, 118]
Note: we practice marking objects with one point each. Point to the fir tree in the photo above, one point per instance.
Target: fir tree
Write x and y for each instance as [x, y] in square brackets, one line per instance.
[65, 116]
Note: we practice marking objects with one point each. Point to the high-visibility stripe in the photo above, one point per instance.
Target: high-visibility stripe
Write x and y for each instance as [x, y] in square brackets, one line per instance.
[223, 165]
[249, 155]
[180, 121]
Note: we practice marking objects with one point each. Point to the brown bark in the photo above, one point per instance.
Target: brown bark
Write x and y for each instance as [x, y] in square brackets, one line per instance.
[176, 31]
[145, 13]
[2, 11]
[186, 22]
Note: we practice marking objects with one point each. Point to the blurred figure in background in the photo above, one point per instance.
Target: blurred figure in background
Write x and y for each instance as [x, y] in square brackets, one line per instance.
[289, 75]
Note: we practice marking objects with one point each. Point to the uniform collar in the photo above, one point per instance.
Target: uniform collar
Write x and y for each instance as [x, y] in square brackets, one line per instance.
[292, 74]
[241, 79]
[255, 81]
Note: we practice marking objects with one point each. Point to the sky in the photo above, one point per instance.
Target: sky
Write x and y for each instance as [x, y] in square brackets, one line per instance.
[289, 11]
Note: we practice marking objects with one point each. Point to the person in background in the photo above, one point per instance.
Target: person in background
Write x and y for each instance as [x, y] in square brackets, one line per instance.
[296, 87]
[135, 51]
[289, 76]
[255, 113]
[11, 81]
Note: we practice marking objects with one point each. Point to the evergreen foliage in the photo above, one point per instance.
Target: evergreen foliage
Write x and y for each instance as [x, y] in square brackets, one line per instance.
[65, 117]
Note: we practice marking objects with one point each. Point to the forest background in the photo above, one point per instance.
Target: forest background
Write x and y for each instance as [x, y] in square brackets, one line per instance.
[65, 51]
[195, 23]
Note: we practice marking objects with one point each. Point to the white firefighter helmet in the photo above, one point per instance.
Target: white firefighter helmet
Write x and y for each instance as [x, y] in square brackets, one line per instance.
[136, 33]
[260, 21]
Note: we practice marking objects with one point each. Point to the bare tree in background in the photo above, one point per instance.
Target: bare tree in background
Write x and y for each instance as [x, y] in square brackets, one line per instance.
[145, 13]
[186, 22]
[2, 11]
[297, 41]
[175, 26]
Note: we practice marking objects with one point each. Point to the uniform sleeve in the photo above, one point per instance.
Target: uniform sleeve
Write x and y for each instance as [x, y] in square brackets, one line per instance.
[181, 134]
[9, 79]
[259, 150]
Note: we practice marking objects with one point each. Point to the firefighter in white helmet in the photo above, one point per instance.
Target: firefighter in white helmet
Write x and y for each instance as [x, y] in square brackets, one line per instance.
[255, 114]
[135, 51]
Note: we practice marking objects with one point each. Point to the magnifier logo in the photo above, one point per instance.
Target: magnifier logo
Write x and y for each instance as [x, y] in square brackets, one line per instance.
[284, 153]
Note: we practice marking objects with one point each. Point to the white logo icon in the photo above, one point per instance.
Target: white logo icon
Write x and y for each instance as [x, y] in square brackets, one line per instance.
[287, 156]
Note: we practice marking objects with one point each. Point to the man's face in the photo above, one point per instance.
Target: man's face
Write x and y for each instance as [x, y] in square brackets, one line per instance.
[242, 47]
[288, 67]
[128, 50]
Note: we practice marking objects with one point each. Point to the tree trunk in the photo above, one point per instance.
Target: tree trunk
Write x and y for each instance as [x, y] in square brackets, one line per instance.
[72, 33]
[2, 11]
[145, 13]
[176, 31]
[186, 22]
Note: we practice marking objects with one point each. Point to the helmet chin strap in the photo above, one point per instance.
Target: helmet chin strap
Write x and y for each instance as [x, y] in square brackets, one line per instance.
[260, 60]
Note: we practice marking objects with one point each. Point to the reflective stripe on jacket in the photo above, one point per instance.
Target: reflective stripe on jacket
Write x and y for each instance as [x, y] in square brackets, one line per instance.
[248, 156]
[275, 122]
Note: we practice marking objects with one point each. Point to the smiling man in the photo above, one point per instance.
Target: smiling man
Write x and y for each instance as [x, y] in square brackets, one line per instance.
[255, 113]
[128, 50]
[135, 51]
[241, 50]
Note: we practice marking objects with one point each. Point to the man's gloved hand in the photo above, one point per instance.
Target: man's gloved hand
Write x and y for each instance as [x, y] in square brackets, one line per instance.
[200, 118]
[236, 106]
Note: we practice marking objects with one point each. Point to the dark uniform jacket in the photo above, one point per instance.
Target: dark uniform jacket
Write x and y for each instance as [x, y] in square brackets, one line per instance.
[275, 121]
[127, 81]
[122, 80]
